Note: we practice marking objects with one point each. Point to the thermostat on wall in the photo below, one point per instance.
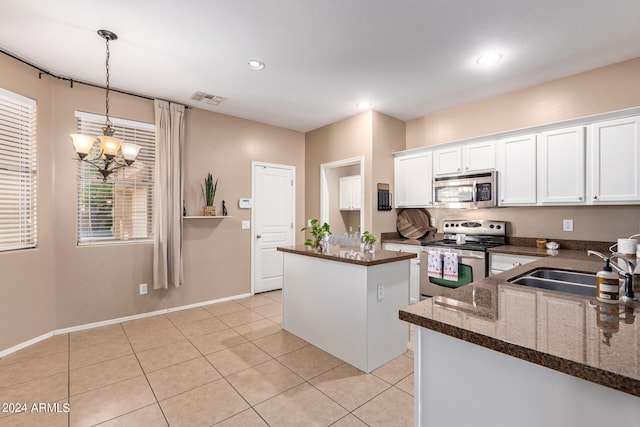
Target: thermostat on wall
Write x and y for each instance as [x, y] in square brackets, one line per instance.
[245, 203]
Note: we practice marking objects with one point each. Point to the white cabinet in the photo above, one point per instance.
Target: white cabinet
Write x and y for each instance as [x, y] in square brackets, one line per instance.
[414, 272]
[413, 180]
[561, 166]
[614, 161]
[464, 158]
[516, 166]
[479, 156]
[503, 262]
[447, 161]
[350, 193]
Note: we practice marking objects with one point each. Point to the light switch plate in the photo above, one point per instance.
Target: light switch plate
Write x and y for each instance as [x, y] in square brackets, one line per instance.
[246, 225]
[567, 225]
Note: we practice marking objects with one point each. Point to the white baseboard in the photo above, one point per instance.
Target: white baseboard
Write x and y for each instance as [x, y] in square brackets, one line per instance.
[8, 351]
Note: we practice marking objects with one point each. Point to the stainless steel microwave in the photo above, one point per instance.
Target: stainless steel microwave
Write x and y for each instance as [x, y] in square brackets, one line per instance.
[476, 190]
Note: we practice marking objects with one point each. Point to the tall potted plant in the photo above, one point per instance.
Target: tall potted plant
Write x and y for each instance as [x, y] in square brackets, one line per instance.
[209, 194]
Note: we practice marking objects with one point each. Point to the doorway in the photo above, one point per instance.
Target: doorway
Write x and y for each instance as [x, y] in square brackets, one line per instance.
[273, 219]
[341, 220]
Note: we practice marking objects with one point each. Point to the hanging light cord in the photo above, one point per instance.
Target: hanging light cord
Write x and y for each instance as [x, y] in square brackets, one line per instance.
[108, 130]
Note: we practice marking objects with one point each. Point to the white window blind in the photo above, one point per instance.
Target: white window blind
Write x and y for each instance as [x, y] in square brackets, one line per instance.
[17, 171]
[120, 209]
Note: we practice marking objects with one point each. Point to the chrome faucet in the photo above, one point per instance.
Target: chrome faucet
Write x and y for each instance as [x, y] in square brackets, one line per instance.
[627, 275]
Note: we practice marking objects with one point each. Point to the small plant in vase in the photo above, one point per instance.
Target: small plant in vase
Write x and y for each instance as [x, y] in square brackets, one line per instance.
[369, 241]
[209, 194]
[318, 232]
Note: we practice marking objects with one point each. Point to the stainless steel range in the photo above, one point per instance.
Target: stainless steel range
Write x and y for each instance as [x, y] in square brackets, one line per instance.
[464, 247]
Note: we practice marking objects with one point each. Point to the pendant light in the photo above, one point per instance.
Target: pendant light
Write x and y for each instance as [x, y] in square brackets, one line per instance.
[114, 153]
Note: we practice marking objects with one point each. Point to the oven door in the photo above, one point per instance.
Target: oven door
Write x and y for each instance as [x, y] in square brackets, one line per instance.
[471, 267]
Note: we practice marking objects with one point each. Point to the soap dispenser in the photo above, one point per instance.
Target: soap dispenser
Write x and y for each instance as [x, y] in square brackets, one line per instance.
[608, 285]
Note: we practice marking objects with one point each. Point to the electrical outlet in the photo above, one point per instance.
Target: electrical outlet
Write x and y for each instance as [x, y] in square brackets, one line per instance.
[380, 291]
[567, 225]
[246, 224]
[309, 223]
[433, 221]
[143, 289]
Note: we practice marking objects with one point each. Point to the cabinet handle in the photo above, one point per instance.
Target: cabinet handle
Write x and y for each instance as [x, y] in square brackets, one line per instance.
[517, 264]
[595, 197]
[258, 236]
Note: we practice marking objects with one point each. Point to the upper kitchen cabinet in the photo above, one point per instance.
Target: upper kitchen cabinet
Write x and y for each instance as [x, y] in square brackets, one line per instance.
[561, 166]
[447, 161]
[614, 161]
[479, 156]
[350, 193]
[414, 180]
[516, 166]
[464, 158]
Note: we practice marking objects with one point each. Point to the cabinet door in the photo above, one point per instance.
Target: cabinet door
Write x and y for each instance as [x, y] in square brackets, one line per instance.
[518, 311]
[615, 161]
[479, 156]
[413, 181]
[447, 161]
[516, 165]
[561, 166]
[345, 193]
[356, 192]
[554, 311]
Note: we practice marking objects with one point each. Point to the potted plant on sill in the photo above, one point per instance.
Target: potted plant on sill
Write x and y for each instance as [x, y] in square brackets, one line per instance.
[318, 233]
[209, 194]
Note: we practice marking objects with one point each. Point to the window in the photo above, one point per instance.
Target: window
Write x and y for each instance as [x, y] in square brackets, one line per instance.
[17, 171]
[120, 209]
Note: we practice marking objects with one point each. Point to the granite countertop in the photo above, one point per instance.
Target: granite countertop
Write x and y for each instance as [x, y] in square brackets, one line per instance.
[336, 254]
[572, 334]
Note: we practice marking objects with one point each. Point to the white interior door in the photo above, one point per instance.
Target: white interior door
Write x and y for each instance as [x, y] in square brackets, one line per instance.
[273, 222]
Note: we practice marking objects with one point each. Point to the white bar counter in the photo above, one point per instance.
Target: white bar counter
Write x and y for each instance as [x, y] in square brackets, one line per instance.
[348, 308]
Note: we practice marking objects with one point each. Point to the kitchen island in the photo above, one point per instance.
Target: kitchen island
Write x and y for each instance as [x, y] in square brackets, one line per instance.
[347, 307]
[515, 355]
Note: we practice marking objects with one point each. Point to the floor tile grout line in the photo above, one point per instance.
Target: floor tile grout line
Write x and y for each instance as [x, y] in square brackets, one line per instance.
[148, 382]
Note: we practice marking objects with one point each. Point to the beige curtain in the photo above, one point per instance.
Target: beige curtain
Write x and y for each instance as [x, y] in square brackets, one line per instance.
[167, 227]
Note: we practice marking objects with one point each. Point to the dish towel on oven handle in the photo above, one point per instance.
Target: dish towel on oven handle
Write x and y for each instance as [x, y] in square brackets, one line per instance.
[450, 269]
[434, 264]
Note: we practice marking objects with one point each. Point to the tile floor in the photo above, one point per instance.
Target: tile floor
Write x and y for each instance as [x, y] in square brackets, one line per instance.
[226, 364]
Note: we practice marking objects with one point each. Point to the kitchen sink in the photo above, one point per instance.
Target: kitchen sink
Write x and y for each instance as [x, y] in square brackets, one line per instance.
[559, 281]
[564, 276]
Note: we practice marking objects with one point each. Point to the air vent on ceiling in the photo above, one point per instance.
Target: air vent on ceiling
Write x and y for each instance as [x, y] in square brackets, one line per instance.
[208, 98]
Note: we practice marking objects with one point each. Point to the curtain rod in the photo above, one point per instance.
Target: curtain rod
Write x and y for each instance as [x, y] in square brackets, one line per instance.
[71, 81]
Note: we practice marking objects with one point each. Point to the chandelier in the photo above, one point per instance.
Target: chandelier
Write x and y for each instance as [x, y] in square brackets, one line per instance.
[114, 153]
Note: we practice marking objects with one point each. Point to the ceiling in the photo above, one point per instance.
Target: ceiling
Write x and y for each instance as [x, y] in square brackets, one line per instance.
[408, 58]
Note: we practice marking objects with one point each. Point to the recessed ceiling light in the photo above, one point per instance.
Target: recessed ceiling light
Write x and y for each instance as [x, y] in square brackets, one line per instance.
[254, 64]
[363, 105]
[489, 58]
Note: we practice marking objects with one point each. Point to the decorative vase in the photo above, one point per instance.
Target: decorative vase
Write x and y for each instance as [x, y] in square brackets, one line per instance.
[209, 210]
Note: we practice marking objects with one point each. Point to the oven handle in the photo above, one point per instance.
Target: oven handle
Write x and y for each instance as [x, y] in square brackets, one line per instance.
[480, 256]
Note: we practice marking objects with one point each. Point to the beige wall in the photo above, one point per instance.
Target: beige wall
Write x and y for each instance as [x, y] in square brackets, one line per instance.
[610, 88]
[370, 134]
[27, 283]
[59, 285]
[341, 140]
[388, 137]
